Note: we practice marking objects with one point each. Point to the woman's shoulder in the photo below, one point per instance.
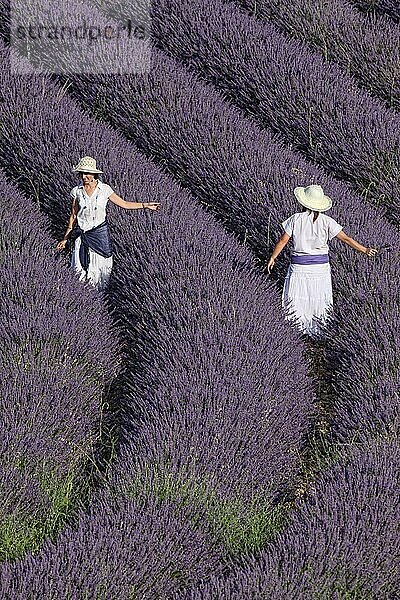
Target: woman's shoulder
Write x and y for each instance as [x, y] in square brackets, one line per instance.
[298, 215]
[294, 216]
[74, 191]
[107, 189]
[328, 219]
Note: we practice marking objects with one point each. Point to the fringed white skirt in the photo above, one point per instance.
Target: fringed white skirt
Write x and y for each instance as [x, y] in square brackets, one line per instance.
[307, 296]
[99, 270]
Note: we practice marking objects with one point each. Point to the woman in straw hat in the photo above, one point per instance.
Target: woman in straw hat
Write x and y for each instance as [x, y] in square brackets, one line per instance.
[92, 254]
[307, 289]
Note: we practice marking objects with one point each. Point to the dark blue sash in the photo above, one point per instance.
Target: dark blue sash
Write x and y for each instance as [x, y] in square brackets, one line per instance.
[96, 239]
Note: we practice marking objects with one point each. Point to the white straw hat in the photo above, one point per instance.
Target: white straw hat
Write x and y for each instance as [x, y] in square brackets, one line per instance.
[313, 197]
[87, 164]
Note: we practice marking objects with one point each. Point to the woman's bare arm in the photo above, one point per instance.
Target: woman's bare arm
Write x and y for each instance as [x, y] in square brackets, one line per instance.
[130, 205]
[343, 237]
[71, 223]
[283, 240]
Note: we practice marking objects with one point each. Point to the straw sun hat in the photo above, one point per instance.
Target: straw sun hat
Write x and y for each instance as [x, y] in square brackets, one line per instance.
[87, 164]
[313, 197]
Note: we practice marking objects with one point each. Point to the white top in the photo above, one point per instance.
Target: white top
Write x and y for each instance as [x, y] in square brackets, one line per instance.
[309, 237]
[92, 209]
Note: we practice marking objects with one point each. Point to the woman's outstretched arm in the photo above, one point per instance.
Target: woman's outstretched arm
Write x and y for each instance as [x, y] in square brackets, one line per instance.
[283, 240]
[348, 240]
[131, 205]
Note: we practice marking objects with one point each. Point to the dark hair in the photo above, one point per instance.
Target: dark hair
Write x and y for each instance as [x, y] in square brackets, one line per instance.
[305, 208]
[95, 175]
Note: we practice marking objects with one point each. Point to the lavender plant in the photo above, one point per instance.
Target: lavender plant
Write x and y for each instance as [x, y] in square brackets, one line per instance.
[284, 86]
[368, 49]
[366, 360]
[238, 524]
[120, 548]
[54, 370]
[342, 542]
[382, 7]
[209, 359]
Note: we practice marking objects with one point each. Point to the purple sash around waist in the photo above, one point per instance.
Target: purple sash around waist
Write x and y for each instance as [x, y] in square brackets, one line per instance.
[310, 259]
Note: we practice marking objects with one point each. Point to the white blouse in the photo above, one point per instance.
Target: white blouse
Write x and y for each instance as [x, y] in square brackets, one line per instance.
[309, 237]
[92, 209]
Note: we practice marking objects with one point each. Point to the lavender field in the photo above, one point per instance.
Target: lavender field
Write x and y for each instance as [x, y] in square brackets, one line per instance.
[175, 437]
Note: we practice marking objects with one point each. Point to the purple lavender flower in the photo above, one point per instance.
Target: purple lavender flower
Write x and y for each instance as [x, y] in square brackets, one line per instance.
[342, 540]
[382, 7]
[365, 48]
[278, 81]
[120, 548]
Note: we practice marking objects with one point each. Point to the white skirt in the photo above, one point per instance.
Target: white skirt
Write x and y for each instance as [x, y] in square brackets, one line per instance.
[307, 296]
[99, 270]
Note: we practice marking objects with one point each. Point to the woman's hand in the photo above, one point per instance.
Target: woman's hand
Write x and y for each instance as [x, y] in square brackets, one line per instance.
[151, 205]
[283, 240]
[61, 245]
[371, 251]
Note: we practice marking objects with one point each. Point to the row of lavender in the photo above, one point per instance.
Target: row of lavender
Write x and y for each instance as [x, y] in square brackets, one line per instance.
[368, 49]
[197, 331]
[342, 543]
[54, 371]
[390, 8]
[286, 88]
[276, 80]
